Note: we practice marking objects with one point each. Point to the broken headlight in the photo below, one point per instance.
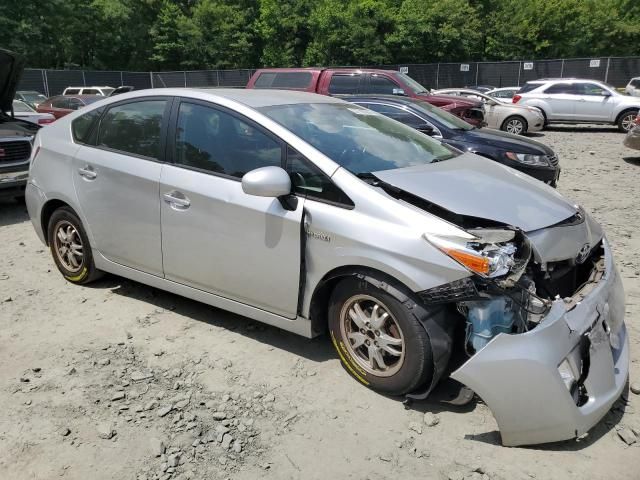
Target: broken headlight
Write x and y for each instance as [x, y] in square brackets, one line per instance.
[528, 159]
[490, 254]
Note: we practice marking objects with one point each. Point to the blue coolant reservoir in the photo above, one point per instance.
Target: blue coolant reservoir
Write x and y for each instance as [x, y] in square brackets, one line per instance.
[488, 318]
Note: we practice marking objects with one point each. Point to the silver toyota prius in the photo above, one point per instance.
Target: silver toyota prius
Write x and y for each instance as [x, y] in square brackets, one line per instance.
[316, 215]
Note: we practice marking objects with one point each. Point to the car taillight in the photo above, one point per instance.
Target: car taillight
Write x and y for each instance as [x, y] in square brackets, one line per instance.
[516, 98]
[45, 121]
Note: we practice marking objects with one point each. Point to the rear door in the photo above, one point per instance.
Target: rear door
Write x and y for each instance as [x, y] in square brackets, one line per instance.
[117, 177]
[214, 236]
[561, 99]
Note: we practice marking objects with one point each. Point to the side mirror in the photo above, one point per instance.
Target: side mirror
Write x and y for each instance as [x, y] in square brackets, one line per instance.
[426, 129]
[606, 93]
[398, 91]
[271, 182]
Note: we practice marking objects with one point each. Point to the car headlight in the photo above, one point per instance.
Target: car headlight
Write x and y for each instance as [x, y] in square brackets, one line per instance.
[487, 259]
[528, 159]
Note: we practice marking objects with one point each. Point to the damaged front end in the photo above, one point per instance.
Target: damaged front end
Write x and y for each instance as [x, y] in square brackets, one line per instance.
[545, 333]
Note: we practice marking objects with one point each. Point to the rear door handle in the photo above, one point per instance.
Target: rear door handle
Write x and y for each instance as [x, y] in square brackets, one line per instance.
[87, 172]
[176, 199]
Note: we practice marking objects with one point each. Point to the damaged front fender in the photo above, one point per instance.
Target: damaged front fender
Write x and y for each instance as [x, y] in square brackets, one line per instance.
[517, 376]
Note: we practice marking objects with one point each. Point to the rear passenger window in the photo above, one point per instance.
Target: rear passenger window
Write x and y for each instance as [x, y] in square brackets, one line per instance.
[82, 126]
[381, 85]
[72, 91]
[565, 88]
[90, 91]
[133, 128]
[213, 140]
[299, 80]
[344, 84]
[60, 102]
[309, 181]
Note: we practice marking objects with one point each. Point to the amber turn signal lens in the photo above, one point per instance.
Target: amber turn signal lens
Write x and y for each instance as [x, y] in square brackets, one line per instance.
[475, 263]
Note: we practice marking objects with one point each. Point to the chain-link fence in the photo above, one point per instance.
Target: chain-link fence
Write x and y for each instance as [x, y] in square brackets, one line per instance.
[614, 70]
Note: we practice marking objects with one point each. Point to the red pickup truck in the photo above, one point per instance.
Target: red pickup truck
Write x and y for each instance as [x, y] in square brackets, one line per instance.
[352, 81]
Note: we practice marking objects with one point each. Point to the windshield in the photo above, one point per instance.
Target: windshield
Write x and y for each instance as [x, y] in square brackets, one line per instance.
[19, 106]
[358, 139]
[33, 97]
[415, 86]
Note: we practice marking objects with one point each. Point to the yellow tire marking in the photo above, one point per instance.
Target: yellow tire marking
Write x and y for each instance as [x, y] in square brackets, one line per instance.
[347, 363]
[78, 277]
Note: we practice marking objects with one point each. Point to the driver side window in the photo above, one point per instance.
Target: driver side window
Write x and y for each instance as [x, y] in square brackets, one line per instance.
[310, 182]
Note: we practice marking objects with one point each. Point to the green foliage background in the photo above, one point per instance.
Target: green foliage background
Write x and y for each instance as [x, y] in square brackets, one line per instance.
[194, 34]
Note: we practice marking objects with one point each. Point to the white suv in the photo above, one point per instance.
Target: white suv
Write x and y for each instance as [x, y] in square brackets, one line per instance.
[633, 87]
[571, 100]
[104, 91]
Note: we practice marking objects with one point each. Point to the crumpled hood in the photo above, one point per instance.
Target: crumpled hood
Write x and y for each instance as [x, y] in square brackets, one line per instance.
[11, 66]
[475, 186]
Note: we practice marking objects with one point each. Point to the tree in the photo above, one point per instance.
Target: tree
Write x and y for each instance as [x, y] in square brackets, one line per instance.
[283, 28]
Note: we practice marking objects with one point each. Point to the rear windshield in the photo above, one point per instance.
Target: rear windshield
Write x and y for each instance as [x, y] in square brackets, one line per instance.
[358, 139]
[283, 80]
[527, 87]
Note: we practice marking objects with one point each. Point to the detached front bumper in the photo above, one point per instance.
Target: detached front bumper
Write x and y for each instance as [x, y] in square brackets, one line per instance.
[12, 183]
[518, 377]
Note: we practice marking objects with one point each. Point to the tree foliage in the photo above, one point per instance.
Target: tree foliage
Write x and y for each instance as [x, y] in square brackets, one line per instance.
[193, 34]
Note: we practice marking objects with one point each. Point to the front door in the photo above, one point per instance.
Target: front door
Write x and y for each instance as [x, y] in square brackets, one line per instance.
[117, 182]
[594, 103]
[214, 236]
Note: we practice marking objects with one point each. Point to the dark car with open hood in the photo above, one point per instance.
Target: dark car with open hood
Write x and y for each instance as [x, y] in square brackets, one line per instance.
[515, 151]
[16, 136]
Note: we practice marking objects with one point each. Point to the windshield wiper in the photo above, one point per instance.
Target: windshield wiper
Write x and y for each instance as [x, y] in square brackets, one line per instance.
[368, 177]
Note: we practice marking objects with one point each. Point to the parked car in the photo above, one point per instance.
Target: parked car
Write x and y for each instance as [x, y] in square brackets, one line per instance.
[24, 112]
[481, 88]
[505, 93]
[103, 91]
[62, 105]
[16, 135]
[30, 97]
[632, 140]
[122, 89]
[573, 100]
[312, 214]
[633, 87]
[502, 115]
[521, 153]
[351, 81]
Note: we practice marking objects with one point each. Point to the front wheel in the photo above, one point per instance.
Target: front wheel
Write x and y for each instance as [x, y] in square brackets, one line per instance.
[70, 247]
[627, 120]
[379, 340]
[516, 125]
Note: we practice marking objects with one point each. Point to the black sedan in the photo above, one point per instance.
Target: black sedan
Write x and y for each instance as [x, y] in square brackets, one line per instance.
[516, 151]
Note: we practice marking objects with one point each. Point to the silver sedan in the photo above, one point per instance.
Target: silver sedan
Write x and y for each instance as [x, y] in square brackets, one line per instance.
[316, 215]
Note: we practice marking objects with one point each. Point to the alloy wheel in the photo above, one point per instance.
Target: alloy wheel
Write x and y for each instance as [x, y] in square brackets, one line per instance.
[68, 246]
[372, 335]
[515, 126]
[628, 122]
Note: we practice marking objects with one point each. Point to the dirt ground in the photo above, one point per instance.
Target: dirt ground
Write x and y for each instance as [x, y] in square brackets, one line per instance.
[122, 381]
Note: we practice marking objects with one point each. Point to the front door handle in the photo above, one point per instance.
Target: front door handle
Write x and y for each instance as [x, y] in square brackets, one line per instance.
[176, 199]
[87, 172]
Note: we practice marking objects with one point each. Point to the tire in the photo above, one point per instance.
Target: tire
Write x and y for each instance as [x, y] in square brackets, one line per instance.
[402, 332]
[626, 120]
[515, 124]
[64, 231]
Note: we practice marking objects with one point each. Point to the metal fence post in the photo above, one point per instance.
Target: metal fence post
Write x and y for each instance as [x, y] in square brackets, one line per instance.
[121, 78]
[45, 83]
[519, 69]
[438, 76]
[606, 72]
[477, 69]
[151, 77]
[185, 79]
[217, 78]
[562, 69]
[84, 80]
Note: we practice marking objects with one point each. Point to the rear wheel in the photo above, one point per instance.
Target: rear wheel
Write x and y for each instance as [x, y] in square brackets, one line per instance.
[627, 120]
[515, 124]
[70, 247]
[379, 340]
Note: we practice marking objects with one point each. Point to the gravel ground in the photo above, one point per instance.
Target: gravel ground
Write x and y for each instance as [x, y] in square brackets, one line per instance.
[119, 380]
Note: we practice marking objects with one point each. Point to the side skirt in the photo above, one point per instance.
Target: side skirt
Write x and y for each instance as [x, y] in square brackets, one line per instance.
[299, 325]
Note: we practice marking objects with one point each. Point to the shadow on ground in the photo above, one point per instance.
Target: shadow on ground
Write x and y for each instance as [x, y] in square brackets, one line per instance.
[632, 160]
[12, 212]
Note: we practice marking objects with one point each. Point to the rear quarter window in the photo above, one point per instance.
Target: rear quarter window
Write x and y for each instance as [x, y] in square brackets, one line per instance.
[299, 80]
[527, 87]
[83, 126]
